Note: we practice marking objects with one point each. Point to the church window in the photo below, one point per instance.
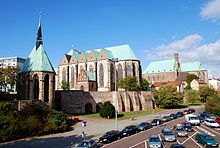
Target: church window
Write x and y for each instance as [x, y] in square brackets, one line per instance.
[91, 68]
[72, 76]
[101, 75]
[120, 72]
[134, 70]
[64, 74]
[128, 68]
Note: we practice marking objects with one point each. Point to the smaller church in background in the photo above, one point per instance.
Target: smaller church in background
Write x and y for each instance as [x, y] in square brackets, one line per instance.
[173, 72]
[36, 79]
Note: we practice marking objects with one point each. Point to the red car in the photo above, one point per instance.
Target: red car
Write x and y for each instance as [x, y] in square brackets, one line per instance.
[217, 120]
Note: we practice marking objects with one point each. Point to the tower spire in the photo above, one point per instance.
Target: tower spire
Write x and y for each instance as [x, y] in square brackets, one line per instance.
[39, 40]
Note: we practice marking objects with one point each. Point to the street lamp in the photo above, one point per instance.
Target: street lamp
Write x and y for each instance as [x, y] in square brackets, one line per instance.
[116, 108]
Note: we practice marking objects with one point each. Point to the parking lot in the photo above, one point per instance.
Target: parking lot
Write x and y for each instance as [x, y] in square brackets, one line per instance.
[140, 140]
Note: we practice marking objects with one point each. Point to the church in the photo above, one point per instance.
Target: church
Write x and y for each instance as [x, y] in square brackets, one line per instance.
[94, 70]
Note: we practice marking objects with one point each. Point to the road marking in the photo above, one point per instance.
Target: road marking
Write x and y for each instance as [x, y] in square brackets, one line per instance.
[177, 141]
[189, 137]
[137, 144]
[196, 143]
[204, 130]
[211, 130]
[161, 141]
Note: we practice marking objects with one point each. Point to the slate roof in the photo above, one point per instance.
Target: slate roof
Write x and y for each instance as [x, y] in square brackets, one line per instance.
[37, 61]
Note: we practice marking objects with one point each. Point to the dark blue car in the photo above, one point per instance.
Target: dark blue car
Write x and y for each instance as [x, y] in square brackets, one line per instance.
[179, 114]
[187, 126]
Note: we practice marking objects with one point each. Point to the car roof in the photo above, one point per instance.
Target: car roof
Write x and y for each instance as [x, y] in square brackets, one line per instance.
[153, 136]
[88, 140]
[166, 130]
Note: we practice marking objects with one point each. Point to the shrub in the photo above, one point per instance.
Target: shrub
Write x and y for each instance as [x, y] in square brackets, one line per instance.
[107, 110]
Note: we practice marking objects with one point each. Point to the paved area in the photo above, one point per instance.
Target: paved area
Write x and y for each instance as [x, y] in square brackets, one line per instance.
[94, 129]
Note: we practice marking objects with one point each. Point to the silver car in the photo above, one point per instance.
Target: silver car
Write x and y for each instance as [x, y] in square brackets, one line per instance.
[167, 135]
[154, 142]
[180, 131]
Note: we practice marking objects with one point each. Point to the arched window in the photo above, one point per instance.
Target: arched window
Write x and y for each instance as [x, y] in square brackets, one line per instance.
[134, 70]
[36, 87]
[120, 72]
[101, 75]
[46, 88]
[64, 74]
[72, 76]
[128, 70]
[81, 70]
[91, 68]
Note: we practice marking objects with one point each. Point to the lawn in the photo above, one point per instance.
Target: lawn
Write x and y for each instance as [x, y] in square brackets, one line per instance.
[126, 115]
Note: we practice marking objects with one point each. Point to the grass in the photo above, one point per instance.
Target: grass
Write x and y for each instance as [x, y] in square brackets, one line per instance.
[126, 115]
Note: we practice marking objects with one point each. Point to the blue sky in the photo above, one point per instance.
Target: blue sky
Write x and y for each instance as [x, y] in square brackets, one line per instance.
[154, 29]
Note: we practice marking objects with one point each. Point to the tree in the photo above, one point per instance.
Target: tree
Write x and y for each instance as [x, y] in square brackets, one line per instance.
[65, 85]
[192, 96]
[128, 83]
[213, 104]
[206, 92]
[190, 77]
[107, 110]
[144, 85]
[167, 96]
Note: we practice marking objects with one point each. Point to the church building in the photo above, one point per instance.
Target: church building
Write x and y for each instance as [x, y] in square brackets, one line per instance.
[93, 70]
[37, 76]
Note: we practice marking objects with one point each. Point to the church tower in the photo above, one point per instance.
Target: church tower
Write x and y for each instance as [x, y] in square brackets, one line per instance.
[37, 76]
[177, 69]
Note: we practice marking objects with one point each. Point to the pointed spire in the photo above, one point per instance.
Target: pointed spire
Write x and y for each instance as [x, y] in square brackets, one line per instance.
[39, 40]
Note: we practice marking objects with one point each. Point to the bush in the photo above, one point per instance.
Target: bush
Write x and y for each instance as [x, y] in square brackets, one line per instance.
[107, 110]
[213, 104]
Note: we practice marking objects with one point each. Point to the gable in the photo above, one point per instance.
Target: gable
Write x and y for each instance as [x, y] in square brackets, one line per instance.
[102, 55]
[65, 60]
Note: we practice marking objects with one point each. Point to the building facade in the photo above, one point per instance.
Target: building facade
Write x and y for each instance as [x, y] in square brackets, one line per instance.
[173, 71]
[94, 70]
[37, 76]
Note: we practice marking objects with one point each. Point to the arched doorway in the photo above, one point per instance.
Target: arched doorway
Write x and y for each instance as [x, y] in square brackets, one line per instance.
[88, 108]
[46, 88]
[99, 106]
[36, 87]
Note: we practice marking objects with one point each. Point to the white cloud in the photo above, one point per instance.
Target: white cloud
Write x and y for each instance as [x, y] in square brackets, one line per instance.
[190, 49]
[211, 10]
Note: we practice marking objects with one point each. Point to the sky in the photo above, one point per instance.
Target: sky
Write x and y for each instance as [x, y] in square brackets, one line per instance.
[154, 29]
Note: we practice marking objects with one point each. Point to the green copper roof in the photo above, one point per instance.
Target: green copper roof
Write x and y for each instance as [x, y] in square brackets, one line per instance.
[90, 75]
[191, 66]
[37, 61]
[122, 52]
[86, 54]
[168, 66]
[160, 66]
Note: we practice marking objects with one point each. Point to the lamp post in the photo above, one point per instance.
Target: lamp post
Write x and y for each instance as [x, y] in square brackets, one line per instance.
[116, 106]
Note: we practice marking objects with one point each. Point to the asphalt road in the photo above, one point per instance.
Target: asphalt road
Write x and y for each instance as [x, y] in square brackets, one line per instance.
[139, 140]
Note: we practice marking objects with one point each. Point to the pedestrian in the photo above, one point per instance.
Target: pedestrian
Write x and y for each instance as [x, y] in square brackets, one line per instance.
[132, 118]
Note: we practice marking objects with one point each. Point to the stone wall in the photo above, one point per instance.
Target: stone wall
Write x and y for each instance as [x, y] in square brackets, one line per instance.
[76, 101]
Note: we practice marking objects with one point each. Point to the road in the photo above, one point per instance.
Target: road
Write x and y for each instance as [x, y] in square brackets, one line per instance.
[140, 140]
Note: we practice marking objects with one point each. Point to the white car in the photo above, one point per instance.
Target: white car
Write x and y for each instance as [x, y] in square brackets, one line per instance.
[211, 122]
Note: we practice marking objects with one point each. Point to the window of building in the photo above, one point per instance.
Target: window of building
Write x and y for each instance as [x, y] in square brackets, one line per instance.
[128, 70]
[120, 72]
[101, 75]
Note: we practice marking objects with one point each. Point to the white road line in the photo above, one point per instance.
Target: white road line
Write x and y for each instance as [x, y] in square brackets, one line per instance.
[137, 144]
[208, 128]
[161, 141]
[205, 130]
[196, 143]
[177, 141]
[189, 137]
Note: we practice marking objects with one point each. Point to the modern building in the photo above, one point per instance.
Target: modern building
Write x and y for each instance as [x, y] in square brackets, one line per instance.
[165, 71]
[11, 61]
[37, 76]
[93, 70]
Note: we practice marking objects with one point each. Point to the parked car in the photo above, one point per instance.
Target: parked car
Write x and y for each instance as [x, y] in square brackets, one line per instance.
[211, 122]
[110, 136]
[167, 135]
[155, 121]
[187, 126]
[185, 112]
[205, 115]
[201, 119]
[129, 130]
[217, 120]
[166, 118]
[206, 140]
[179, 114]
[154, 142]
[173, 116]
[180, 131]
[144, 126]
[177, 146]
[87, 143]
[191, 110]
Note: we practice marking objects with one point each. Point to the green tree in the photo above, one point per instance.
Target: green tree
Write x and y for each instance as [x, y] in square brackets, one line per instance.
[205, 92]
[107, 110]
[167, 96]
[190, 77]
[144, 85]
[128, 83]
[65, 85]
[213, 104]
[192, 96]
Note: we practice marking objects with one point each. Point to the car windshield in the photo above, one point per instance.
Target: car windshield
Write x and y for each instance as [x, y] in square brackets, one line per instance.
[84, 144]
[155, 139]
[168, 133]
[186, 124]
[179, 128]
[208, 137]
[194, 118]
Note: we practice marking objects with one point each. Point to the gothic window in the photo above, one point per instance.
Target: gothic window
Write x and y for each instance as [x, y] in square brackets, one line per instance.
[112, 67]
[120, 72]
[91, 68]
[36, 87]
[46, 88]
[101, 75]
[158, 77]
[134, 70]
[72, 76]
[81, 70]
[64, 74]
[128, 70]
